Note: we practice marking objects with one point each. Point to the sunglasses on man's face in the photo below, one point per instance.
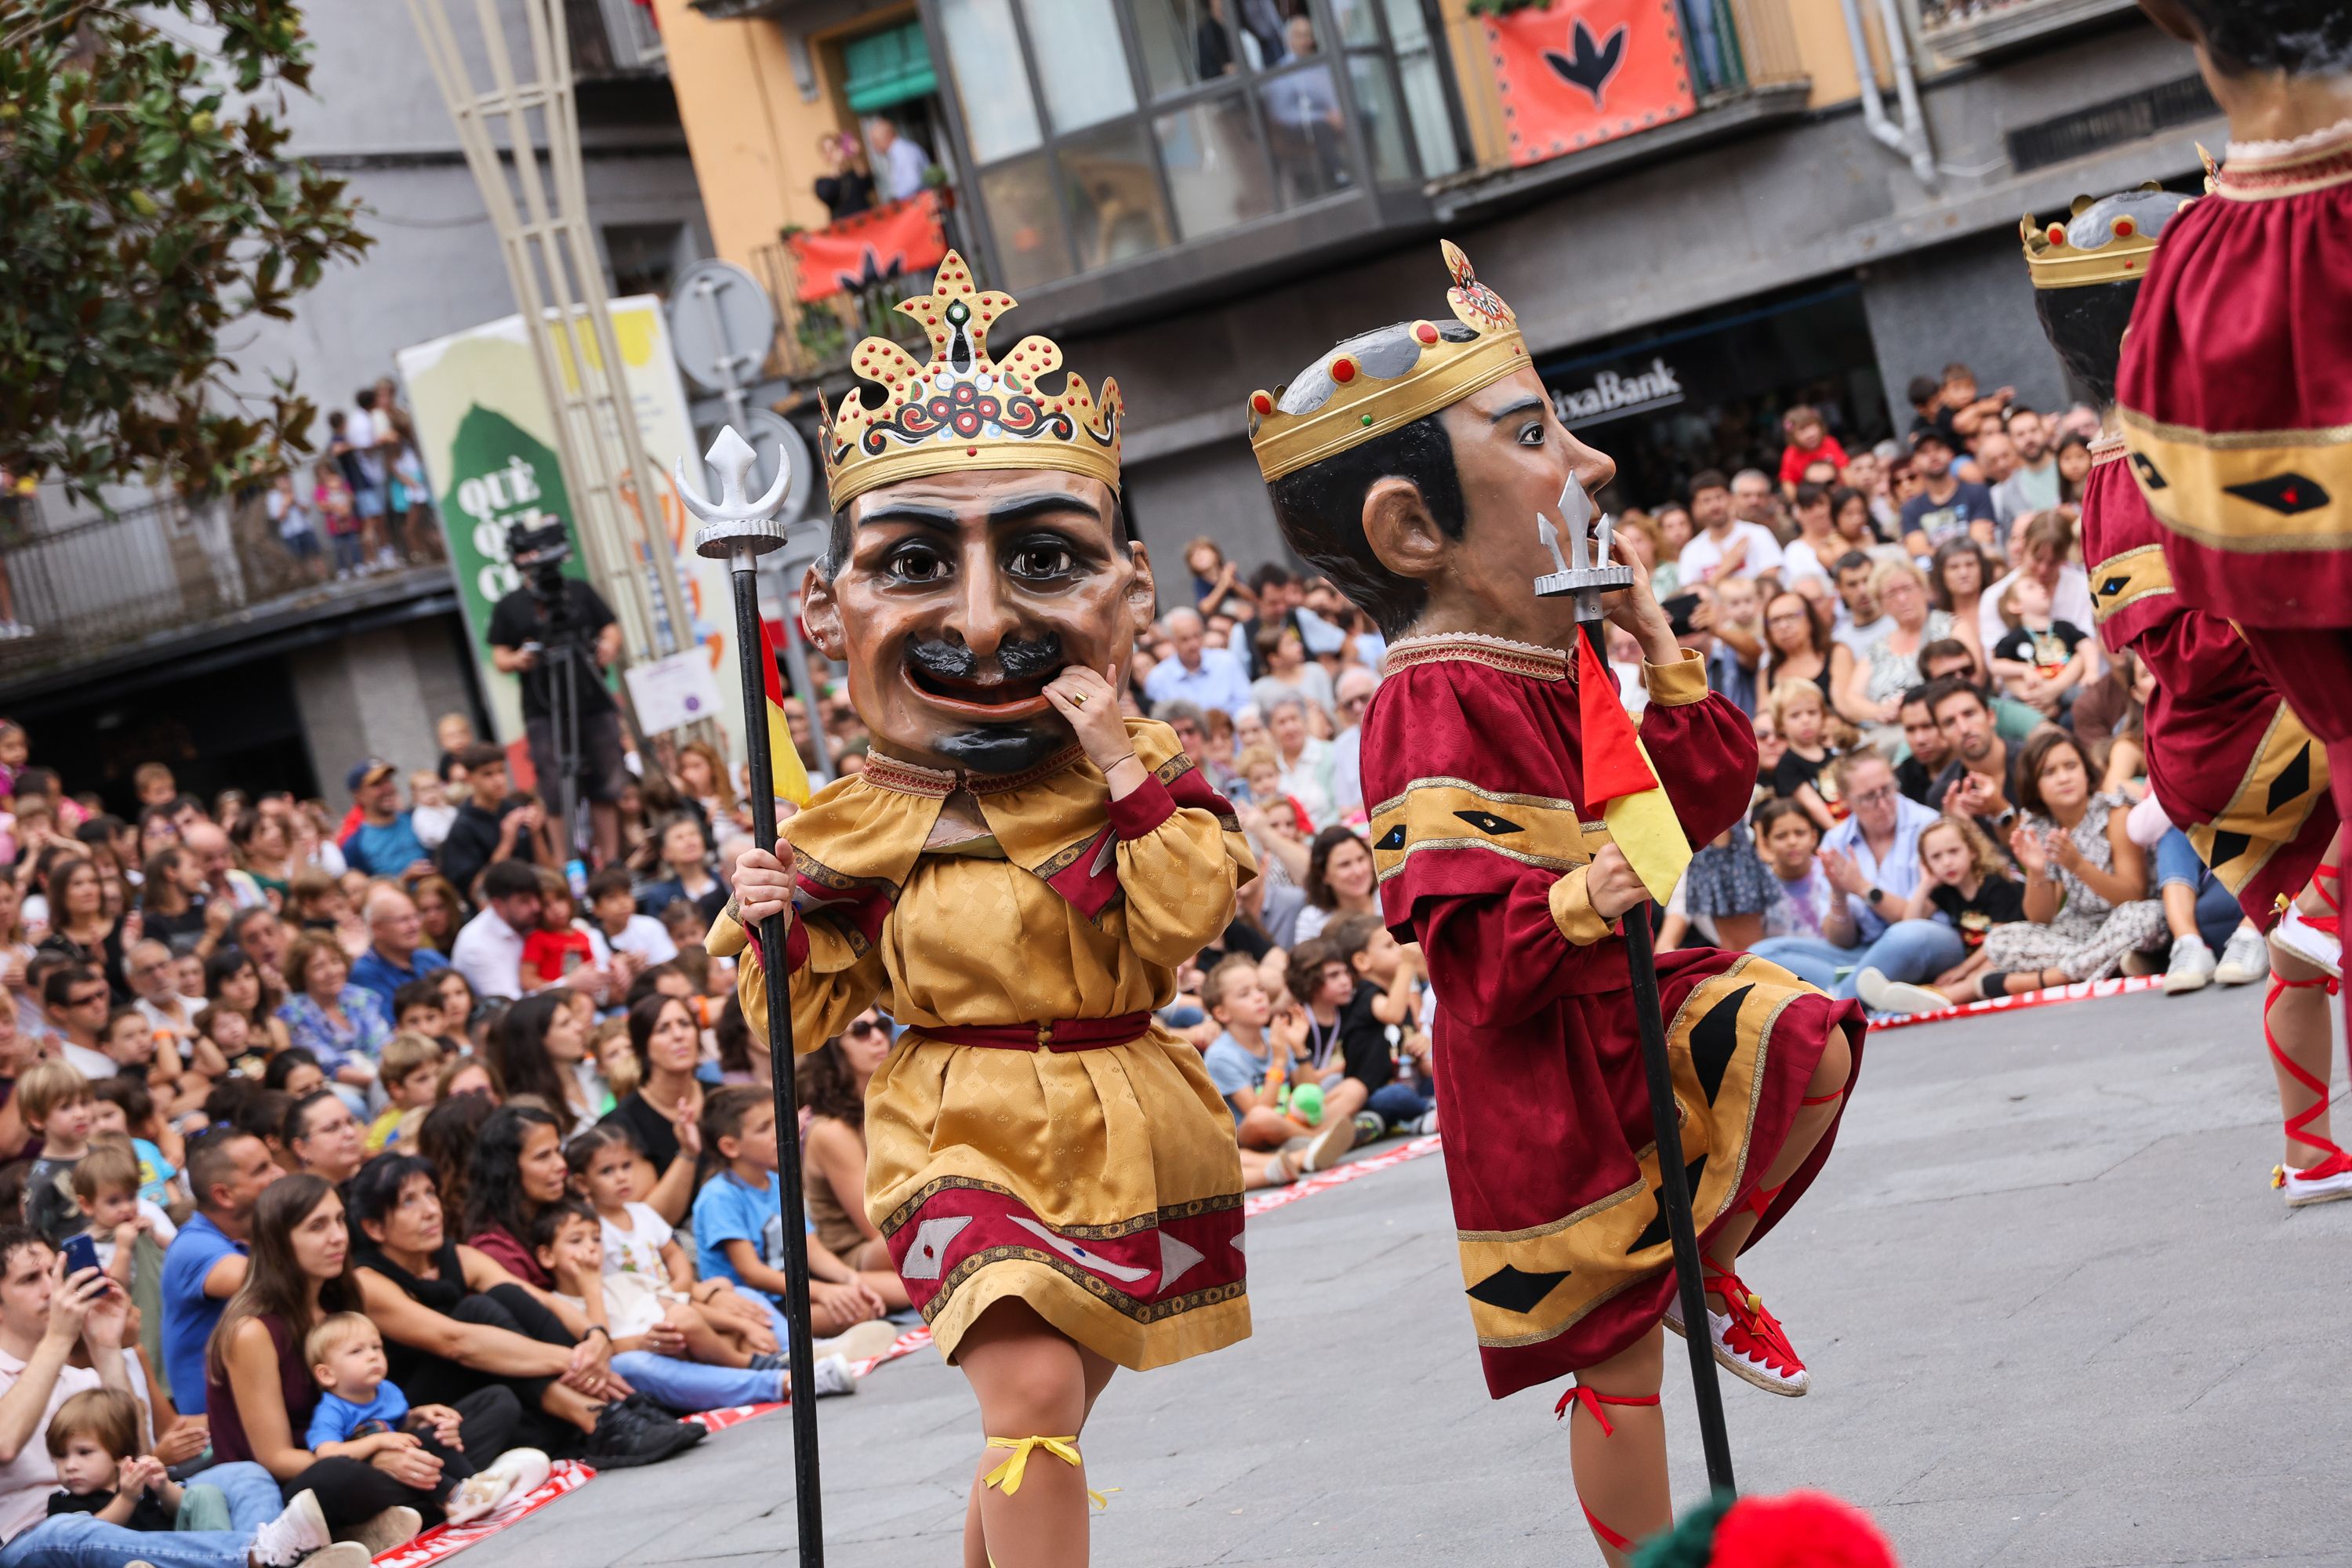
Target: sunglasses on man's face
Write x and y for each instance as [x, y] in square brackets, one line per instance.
[94, 999]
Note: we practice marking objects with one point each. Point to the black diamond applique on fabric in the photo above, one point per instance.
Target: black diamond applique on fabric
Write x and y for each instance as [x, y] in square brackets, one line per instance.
[1516, 1290]
[2228, 846]
[2286, 494]
[1488, 822]
[1714, 1038]
[2148, 473]
[1655, 1231]
[2292, 780]
[1392, 839]
[2111, 587]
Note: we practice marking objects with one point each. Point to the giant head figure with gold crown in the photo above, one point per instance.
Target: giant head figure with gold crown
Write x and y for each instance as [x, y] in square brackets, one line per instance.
[978, 543]
[2087, 274]
[1411, 465]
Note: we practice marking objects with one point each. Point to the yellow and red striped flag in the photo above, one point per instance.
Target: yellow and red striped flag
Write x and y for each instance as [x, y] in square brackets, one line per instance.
[790, 778]
[1619, 779]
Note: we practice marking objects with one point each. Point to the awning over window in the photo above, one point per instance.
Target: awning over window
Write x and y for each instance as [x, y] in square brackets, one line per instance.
[888, 68]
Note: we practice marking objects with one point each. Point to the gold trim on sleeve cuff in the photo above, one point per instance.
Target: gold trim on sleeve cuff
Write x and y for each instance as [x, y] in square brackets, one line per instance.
[1677, 684]
[1572, 911]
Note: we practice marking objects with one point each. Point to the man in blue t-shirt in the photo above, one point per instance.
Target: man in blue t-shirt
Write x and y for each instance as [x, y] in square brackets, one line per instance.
[1949, 507]
[383, 844]
[396, 952]
[205, 1263]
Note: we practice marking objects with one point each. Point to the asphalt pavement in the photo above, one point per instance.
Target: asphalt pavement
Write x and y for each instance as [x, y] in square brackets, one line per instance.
[2054, 1312]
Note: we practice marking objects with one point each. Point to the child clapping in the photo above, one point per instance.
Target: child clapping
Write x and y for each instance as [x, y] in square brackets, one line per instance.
[94, 1439]
[362, 1413]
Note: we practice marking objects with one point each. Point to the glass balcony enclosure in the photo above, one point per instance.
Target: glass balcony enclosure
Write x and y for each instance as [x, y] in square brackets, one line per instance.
[1093, 134]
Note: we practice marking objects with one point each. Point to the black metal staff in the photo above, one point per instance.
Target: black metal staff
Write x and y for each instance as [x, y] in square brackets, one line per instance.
[1585, 576]
[739, 530]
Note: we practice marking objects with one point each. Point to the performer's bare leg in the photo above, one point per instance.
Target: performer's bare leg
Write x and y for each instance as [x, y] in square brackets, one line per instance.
[1824, 1096]
[2299, 1027]
[1033, 1382]
[1621, 1471]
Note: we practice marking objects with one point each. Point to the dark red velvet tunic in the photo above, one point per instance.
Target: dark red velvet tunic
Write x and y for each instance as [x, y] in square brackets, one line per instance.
[2232, 763]
[1471, 760]
[2236, 397]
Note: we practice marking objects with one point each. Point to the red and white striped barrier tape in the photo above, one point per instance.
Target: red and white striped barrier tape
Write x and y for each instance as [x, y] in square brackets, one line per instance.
[2081, 991]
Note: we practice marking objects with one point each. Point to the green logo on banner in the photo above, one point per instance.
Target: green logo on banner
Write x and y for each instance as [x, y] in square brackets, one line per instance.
[499, 475]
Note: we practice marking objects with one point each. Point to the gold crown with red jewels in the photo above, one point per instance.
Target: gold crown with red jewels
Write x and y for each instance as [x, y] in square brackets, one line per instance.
[2110, 239]
[965, 409]
[1384, 379]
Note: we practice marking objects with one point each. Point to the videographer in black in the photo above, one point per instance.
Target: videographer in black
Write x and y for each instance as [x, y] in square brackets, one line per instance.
[557, 634]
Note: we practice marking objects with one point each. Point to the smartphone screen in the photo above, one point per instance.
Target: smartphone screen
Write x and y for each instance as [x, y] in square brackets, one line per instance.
[1678, 613]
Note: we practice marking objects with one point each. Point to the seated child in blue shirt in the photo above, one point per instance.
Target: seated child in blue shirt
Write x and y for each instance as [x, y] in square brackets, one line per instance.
[363, 1412]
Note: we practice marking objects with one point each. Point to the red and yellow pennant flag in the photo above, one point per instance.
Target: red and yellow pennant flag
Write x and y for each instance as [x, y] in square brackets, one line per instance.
[1619, 779]
[790, 779]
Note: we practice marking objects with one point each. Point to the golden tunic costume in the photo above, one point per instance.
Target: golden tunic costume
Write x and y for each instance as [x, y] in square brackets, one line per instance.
[1034, 1133]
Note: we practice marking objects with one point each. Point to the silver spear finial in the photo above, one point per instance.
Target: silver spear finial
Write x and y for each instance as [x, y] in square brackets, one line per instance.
[1585, 573]
[735, 525]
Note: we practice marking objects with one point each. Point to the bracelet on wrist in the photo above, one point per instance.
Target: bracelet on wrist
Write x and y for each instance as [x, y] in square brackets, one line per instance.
[598, 1329]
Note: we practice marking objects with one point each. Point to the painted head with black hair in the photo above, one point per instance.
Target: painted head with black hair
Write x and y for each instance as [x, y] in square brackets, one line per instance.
[2245, 37]
[2086, 319]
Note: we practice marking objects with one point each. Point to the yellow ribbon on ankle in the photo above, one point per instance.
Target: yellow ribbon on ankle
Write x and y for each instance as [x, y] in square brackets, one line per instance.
[1008, 1474]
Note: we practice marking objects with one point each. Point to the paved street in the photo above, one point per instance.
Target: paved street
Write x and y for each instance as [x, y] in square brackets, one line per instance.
[2054, 1312]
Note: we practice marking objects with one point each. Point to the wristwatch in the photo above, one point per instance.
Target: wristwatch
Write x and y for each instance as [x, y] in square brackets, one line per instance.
[1877, 896]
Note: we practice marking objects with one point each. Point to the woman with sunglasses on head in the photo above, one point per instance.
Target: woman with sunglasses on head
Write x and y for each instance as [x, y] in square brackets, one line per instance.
[833, 1080]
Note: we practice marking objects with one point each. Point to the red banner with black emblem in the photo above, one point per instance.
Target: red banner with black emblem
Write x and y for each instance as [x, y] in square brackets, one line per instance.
[898, 239]
[1575, 73]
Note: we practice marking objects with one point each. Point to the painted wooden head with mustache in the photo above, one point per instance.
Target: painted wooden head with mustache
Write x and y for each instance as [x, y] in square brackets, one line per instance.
[954, 597]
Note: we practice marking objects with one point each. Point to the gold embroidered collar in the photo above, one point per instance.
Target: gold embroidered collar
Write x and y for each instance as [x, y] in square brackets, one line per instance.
[1530, 659]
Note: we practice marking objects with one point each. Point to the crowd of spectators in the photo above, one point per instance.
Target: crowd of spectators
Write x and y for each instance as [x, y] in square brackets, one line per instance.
[365, 1163]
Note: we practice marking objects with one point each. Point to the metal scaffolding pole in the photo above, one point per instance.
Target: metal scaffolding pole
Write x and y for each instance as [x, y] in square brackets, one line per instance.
[541, 216]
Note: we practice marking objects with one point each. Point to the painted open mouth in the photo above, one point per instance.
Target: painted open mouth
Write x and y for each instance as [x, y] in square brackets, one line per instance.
[992, 695]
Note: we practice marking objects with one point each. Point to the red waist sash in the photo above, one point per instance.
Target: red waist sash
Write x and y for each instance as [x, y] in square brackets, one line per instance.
[1062, 1034]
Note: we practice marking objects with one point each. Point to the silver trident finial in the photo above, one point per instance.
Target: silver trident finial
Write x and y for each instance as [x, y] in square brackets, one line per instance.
[735, 525]
[1586, 570]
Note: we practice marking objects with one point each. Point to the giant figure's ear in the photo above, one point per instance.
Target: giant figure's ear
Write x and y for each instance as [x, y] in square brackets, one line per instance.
[820, 612]
[1142, 591]
[1404, 536]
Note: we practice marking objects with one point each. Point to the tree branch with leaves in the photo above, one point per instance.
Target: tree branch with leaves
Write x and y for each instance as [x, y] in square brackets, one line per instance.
[146, 205]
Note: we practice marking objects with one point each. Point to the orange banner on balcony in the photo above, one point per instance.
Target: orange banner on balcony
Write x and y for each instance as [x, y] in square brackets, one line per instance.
[1575, 73]
[897, 239]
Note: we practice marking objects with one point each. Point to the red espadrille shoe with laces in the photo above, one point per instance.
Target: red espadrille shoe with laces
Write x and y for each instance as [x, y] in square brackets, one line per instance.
[1749, 1343]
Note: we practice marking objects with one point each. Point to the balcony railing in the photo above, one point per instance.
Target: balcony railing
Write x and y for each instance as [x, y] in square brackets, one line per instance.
[88, 587]
[1968, 29]
[614, 39]
[814, 337]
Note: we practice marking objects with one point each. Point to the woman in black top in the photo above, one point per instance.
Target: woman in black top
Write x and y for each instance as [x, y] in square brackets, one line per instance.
[847, 190]
[453, 1321]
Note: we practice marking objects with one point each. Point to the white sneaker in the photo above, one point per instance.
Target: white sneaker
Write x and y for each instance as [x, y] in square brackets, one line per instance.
[379, 1533]
[1427, 1124]
[833, 1376]
[1880, 994]
[512, 1476]
[2295, 936]
[476, 1496]
[2191, 967]
[2323, 1182]
[860, 1343]
[2244, 958]
[1330, 1143]
[293, 1535]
